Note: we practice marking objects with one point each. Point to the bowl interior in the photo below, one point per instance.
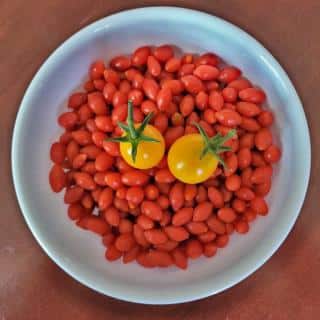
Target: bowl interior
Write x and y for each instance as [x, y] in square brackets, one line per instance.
[81, 253]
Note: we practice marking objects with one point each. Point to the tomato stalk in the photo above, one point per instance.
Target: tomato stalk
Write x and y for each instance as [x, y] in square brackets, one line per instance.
[215, 145]
[133, 134]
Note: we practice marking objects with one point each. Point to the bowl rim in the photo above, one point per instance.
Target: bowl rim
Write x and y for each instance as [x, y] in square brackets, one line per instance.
[261, 257]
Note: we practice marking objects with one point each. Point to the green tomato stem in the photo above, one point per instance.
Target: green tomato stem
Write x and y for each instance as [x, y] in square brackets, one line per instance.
[215, 145]
[133, 135]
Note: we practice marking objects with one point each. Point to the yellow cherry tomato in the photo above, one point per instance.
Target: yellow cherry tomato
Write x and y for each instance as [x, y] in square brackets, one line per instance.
[185, 162]
[149, 154]
[142, 146]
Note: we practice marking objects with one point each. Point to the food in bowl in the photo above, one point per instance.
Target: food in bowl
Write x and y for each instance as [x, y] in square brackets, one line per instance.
[176, 190]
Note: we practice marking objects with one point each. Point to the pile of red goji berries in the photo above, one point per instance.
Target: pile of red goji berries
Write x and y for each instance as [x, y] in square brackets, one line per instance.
[147, 215]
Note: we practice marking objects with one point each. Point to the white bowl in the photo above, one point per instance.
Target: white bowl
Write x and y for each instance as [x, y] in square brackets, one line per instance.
[81, 253]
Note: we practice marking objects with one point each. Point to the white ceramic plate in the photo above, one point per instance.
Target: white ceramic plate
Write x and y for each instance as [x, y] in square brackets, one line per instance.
[80, 253]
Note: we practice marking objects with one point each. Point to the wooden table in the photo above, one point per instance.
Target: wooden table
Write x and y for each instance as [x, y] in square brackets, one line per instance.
[32, 287]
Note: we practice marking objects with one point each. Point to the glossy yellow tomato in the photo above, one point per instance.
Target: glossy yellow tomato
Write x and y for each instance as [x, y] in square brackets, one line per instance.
[142, 146]
[149, 154]
[185, 162]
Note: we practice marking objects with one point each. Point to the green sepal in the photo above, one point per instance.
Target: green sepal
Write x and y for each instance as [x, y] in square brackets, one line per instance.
[133, 135]
[215, 144]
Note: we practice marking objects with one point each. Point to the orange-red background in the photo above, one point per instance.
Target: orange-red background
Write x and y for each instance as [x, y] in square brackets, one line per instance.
[32, 287]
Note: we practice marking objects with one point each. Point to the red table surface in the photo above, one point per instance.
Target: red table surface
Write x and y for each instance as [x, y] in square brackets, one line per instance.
[33, 287]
